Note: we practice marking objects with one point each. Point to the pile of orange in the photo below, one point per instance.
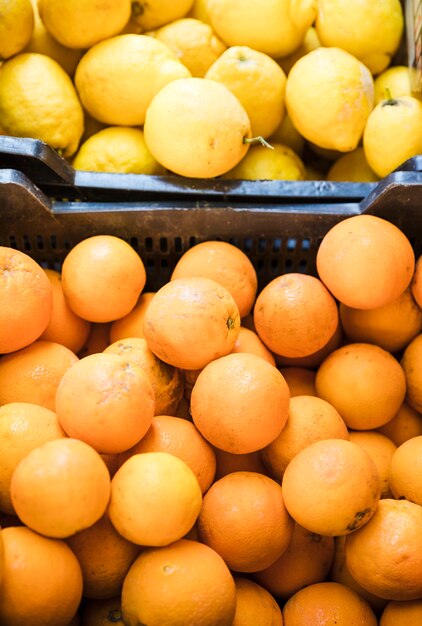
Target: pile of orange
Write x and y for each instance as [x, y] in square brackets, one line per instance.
[213, 453]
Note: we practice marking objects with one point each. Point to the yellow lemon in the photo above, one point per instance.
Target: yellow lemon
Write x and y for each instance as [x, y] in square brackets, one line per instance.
[117, 78]
[329, 95]
[196, 127]
[150, 14]
[257, 81]
[288, 135]
[117, 149]
[352, 167]
[16, 26]
[276, 27]
[393, 133]
[199, 11]
[398, 79]
[370, 30]
[38, 100]
[194, 43]
[83, 23]
[262, 163]
[310, 42]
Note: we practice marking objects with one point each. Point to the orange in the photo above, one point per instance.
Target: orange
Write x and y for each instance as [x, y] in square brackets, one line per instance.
[332, 487]
[102, 278]
[240, 403]
[102, 613]
[315, 359]
[248, 537]
[184, 583]
[365, 261]
[254, 605]
[295, 315]
[310, 419]
[61, 487]
[97, 340]
[181, 438]
[155, 499]
[106, 401]
[228, 463]
[33, 374]
[49, 569]
[391, 326]
[64, 326]
[410, 362]
[416, 284]
[191, 321]
[327, 603]
[105, 558]
[301, 380]
[132, 324]
[364, 383]
[406, 471]
[306, 561]
[26, 300]
[381, 450]
[385, 555]
[406, 423]
[23, 427]
[405, 613]
[248, 341]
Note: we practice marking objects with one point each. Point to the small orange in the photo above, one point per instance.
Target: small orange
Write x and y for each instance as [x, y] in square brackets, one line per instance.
[405, 613]
[248, 537]
[248, 341]
[228, 463]
[255, 605]
[191, 321]
[61, 487]
[301, 380]
[295, 315]
[240, 403]
[97, 340]
[102, 613]
[314, 360]
[331, 487]
[416, 284]
[102, 278]
[381, 450]
[406, 423]
[365, 261]
[106, 401]
[411, 363]
[184, 583]
[26, 300]
[405, 474]
[132, 325]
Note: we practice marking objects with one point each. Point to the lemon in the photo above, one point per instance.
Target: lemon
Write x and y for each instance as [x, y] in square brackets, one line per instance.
[329, 95]
[257, 81]
[199, 11]
[38, 100]
[261, 163]
[196, 127]
[276, 27]
[352, 167]
[83, 23]
[371, 30]
[393, 133]
[16, 26]
[150, 14]
[287, 134]
[398, 79]
[310, 42]
[194, 43]
[117, 149]
[117, 78]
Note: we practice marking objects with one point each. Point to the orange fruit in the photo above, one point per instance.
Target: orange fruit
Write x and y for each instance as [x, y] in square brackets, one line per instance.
[365, 261]
[327, 603]
[64, 326]
[248, 341]
[184, 583]
[227, 265]
[33, 374]
[391, 326]
[102, 613]
[364, 383]
[315, 359]
[405, 613]
[385, 555]
[23, 427]
[26, 300]
[155, 499]
[105, 558]
[405, 474]
[45, 566]
[301, 380]
[61, 487]
[416, 284]
[181, 438]
[166, 380]
[331, 487]
[106, 401]
[191, 321]
[132, 324]
[410, 362]
[306, 561]
[228, 463]
[240, 403]
[406, 423]
[254, 605]
[310, 419]
[248, 538]
[295, 315]
[97, 340]
[102, 278]
[381, 450]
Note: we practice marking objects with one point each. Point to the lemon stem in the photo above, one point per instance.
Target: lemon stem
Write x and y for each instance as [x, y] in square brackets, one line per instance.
[258, 139]
[389, 99]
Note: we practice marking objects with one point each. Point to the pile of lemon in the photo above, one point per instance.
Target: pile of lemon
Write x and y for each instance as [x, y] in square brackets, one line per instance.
[211, 88]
